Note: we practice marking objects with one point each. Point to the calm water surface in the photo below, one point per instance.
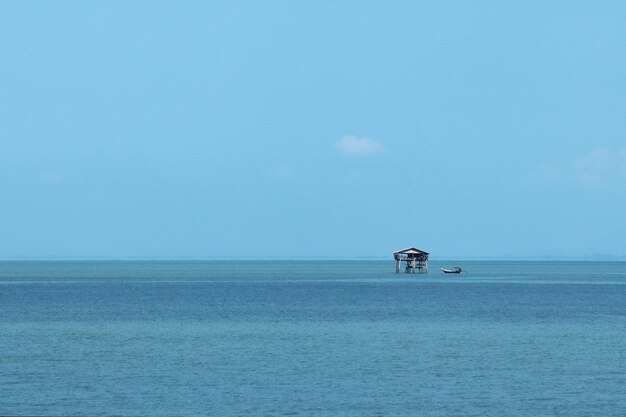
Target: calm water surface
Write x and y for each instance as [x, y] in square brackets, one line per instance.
[312, 339]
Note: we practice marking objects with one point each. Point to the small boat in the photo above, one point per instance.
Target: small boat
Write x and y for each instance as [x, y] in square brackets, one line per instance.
[456, 270]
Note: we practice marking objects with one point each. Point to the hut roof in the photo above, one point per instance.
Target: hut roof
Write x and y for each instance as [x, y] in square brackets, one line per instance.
[411, 251]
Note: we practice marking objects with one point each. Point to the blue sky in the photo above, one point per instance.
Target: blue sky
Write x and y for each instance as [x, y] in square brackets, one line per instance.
[334, 129]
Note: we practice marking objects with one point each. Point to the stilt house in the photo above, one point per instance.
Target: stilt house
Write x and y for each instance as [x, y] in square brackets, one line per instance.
[416, 260]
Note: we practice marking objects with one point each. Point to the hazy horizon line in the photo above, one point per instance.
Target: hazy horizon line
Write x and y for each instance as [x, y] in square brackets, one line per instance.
[546, 258]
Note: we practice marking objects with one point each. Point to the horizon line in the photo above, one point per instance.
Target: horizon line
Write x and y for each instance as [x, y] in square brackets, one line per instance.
[546, 258]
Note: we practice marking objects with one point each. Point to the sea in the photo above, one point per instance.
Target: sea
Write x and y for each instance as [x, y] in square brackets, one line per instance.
[312, 338]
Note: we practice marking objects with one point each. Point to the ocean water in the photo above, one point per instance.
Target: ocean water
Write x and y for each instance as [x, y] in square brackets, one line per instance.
[323, 338]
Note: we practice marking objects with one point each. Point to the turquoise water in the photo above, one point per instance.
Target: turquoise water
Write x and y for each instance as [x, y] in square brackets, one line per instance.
[312, 339]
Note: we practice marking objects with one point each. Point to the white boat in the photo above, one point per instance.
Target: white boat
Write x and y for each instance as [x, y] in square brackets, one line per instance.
[456, 270]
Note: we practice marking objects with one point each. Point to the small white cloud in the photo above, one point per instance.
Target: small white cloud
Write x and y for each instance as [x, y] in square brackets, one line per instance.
[601, 165]
[283, 171]
[51, 177]
[358, 146]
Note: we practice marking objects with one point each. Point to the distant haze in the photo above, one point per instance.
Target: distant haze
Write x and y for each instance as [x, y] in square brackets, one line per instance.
[210, 130]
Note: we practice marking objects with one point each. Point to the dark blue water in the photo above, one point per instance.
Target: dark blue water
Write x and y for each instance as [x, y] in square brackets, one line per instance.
[312, 339]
